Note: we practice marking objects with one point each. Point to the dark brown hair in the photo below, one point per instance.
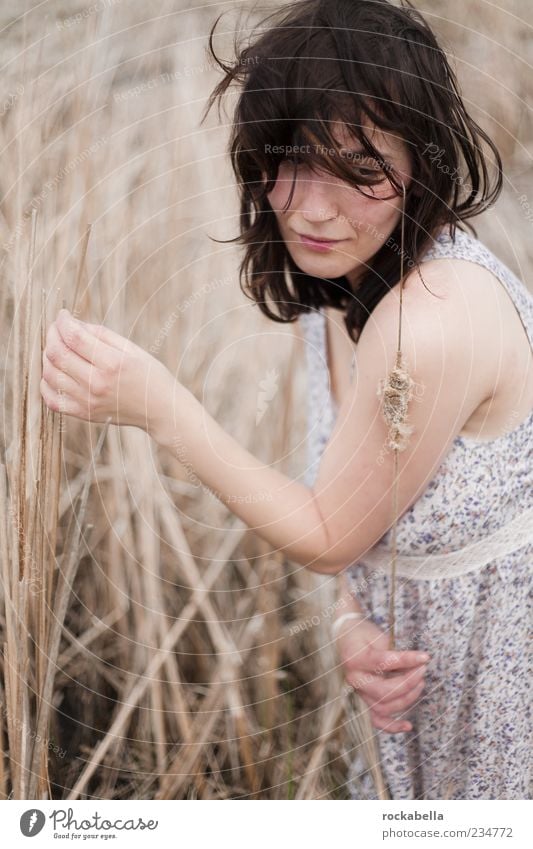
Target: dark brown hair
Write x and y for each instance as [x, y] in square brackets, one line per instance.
[315, 63]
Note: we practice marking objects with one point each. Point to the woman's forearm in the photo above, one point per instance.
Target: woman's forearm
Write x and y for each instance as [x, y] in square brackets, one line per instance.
[279, 509]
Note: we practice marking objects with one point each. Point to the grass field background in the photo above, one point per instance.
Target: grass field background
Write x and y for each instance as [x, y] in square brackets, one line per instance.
[153, 647]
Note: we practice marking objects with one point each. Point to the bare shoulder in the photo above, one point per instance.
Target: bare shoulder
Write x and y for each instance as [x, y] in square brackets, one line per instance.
[451, 311]
[458, 319]
[445, 287]
[457, 298]
[472, 306]
[457, 281]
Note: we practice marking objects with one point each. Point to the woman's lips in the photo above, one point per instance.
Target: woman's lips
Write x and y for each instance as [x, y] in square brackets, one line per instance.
[318, 244]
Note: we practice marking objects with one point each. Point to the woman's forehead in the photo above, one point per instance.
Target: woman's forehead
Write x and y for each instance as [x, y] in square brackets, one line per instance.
[348, 137]
[387, 142]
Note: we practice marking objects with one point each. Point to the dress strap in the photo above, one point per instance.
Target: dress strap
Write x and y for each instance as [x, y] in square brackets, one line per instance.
[509, 538]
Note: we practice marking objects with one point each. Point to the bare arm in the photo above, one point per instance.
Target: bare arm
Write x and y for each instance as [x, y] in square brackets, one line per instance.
[334, 523]
[281, 510]
[93, 373]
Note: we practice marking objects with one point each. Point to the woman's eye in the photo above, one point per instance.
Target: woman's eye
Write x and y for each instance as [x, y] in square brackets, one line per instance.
[369, 173]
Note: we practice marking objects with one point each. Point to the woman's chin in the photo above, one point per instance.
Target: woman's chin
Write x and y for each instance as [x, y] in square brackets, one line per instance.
[320, 265]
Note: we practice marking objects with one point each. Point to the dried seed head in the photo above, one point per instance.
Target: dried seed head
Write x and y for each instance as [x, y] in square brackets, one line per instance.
[396, 392]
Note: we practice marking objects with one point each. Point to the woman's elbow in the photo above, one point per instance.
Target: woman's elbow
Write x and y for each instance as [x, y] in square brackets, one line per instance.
[326, 568]
[325, 563]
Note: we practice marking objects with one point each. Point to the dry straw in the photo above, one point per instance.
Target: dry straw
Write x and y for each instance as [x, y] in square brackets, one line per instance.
[395, 391]
[37, 583]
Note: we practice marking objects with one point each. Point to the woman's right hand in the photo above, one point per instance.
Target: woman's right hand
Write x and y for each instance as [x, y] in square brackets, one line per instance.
[389, 682]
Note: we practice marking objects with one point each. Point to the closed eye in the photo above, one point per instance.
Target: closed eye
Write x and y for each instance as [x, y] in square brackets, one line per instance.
[366, 173]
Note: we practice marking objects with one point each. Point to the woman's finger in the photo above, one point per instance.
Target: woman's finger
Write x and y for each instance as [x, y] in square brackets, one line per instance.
[382, 689]
[382, 704]
[87, 345]
[114, 340]
[66, 360]
[397, 686]
[58, 380]
[58, 402]
[398, 705]
[391, 726]
[387, 661]
[105, 334]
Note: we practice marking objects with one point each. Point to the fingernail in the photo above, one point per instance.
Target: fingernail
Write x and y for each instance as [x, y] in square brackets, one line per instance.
[424, 656]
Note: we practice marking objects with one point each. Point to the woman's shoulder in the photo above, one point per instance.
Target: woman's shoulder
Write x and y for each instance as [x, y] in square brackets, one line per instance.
[454, 279]
[466, 253]
[453, 305]
[461, 268]
[472, 308]
[437, 290]
[468, 272]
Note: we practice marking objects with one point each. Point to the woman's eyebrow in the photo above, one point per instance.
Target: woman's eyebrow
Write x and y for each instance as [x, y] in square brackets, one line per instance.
[359, 152]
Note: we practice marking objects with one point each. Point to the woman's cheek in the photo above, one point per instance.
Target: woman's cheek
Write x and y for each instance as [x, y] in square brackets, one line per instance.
[279, 195]
[364, 215]
[380, 218]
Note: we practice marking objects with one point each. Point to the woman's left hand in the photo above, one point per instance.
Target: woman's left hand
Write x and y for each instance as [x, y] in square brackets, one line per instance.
[93, 373]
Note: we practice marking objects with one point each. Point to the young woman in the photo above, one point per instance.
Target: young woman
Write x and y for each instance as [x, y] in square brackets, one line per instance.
[349, 133]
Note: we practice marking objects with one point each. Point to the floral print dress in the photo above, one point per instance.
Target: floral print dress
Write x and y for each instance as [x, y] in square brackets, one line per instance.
[463, 593]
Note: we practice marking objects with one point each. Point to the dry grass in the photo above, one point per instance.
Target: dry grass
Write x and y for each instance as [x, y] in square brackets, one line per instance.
[149, 639]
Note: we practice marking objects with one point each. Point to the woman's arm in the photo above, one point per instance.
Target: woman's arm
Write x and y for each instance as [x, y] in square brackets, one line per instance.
[349, 507]
[282, 511]
[93, 373]
[332, 524]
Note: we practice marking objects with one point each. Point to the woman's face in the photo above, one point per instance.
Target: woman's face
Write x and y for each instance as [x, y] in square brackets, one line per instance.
[324, 207]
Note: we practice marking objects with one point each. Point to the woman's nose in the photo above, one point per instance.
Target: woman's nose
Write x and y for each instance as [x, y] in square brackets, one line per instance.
[315, 200]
